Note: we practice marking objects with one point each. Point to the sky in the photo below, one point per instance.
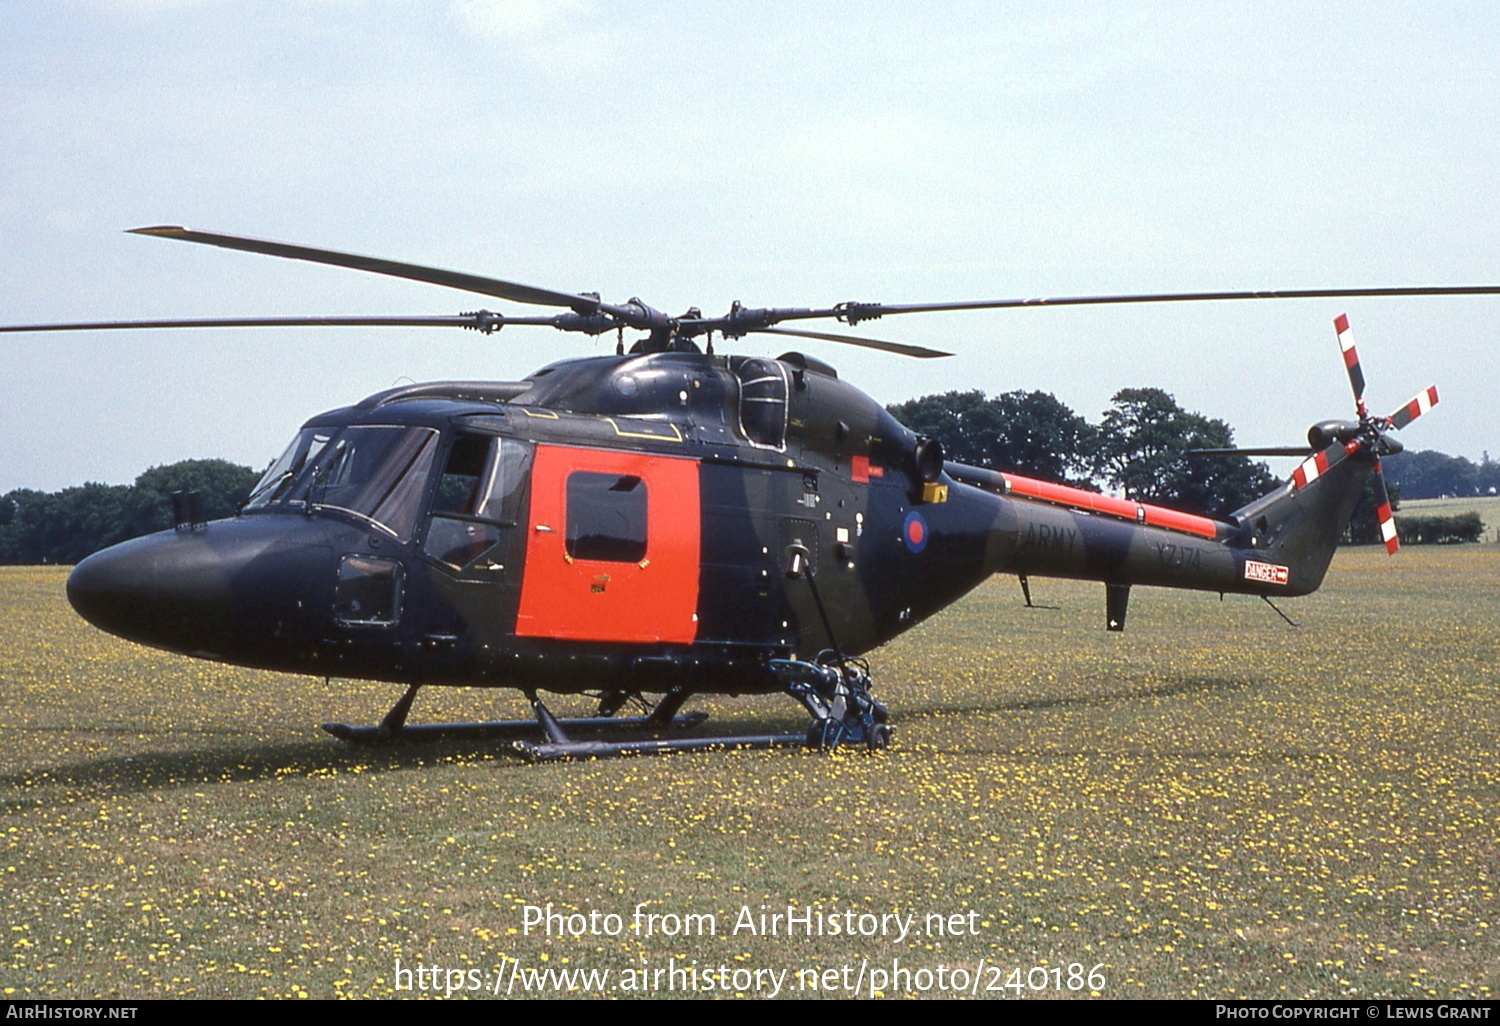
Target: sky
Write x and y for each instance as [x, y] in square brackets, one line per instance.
[691, 154]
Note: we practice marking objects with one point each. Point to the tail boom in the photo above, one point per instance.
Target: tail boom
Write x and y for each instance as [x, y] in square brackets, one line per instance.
[1281, 544]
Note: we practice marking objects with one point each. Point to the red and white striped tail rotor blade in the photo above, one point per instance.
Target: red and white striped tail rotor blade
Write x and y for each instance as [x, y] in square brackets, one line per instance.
[1319, 463]
[1383, 513]
[1420, 404]
[1351, 361]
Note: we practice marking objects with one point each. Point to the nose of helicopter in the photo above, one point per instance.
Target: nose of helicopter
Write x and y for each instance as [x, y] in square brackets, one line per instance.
[247, 589]
[170, 590]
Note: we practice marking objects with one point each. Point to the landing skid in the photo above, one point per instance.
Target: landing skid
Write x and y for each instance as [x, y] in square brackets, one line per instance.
[835, 691]
[393, 726]
[503, 729]
[550, 751]
[558, 745]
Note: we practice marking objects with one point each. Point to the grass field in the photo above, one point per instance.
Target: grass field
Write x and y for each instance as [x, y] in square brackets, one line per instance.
[1212, 804]
[1488, 508]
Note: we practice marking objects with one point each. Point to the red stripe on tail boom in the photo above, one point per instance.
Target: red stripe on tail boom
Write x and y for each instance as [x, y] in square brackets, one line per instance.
[1140, 512]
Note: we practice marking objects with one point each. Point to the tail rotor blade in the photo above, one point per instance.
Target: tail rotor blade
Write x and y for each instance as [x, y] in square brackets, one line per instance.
[1383, 513]
[1420, 404]
[1351, 361]
[1319, 463]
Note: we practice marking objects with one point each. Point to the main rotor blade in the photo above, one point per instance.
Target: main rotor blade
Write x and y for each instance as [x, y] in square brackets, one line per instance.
[855, 312]
[899, 348]
[415, 272]
[482, 321]
[1282, 450]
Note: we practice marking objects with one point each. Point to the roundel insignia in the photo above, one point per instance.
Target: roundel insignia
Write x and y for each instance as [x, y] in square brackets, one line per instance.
[914, 532]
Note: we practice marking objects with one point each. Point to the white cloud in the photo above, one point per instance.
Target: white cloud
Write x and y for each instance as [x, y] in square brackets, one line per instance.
[508, 19]
[149, 5]
[559, 38]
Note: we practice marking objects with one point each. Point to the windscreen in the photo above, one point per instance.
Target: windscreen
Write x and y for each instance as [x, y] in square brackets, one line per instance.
[376, 471]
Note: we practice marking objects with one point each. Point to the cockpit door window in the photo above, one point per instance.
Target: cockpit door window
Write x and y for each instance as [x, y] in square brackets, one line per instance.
[476, 498]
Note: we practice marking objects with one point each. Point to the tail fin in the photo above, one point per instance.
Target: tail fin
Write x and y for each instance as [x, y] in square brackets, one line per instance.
[1299, 525]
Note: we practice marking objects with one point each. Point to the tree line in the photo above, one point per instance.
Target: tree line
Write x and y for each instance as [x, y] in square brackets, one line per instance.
[1139, 446]
[63, 527]
[1436, 475]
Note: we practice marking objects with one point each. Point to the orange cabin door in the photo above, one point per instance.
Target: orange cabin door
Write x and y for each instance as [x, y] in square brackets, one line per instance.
[612, 547]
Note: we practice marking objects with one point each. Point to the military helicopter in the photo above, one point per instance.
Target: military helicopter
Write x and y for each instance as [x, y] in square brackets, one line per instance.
[666, 521]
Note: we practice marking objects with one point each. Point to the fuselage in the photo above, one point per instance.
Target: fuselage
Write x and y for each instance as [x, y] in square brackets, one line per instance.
[617, 523]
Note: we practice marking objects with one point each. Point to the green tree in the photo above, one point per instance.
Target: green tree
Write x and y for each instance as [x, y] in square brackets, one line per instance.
[1143, 443]
[1432, 475]
[1489, 475]
[15, 523]
[1440, 529]
[66, 526]
[1029, 433]
[222, 487]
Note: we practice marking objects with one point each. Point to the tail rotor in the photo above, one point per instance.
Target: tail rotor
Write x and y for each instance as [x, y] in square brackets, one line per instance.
[1331, 442]
[1371, 435]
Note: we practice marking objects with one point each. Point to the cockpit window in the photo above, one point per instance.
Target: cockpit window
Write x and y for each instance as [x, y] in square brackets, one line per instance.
[376, 471]
[276, 483]
[502, 493]
[482, 477]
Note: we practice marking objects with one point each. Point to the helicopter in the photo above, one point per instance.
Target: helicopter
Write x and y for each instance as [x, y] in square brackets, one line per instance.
[670, 521]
